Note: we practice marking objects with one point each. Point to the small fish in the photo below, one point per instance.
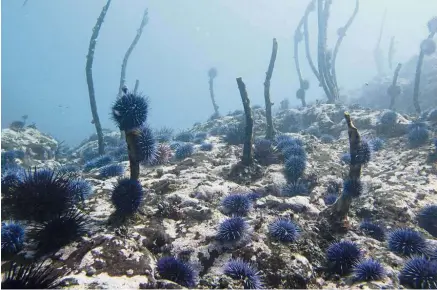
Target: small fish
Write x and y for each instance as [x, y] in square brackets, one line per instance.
[366, 84]
[116, 112]
[92, 121]
[24, 117]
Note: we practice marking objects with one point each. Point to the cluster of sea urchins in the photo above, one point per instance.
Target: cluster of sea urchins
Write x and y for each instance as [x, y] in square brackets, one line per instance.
[46, 201]
[130, 113]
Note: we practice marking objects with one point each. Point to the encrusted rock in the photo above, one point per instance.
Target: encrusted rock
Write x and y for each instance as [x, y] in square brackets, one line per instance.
[36, 144]
[119, 256]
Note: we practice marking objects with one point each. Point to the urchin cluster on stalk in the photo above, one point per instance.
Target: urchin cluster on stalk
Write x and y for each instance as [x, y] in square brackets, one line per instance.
[130, 113]
[333, 218]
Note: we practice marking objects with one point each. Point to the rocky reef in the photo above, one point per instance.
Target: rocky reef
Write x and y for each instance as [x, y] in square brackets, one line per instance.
[39, 148]
[183, 211]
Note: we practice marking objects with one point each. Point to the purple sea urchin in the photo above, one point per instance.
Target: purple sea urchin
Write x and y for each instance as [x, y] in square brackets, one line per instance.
[368, 270]
[127, 196]
[32, 276]
[12, 237]
[341, 257]
[407, 242]
[130, 111]
[111, 170]
[40, 196]
[232, 230]
[177, 271]
[240, 270]
[236, 204]
[427, 219]
[284, 230]
[419, 273]
[59, 231]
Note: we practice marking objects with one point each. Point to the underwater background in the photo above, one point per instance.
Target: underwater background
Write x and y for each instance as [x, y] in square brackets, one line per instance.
[44, 45]
[219, 144]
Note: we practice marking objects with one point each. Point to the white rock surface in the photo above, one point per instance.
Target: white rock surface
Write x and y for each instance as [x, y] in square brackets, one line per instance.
[181, 211]
[37, 144]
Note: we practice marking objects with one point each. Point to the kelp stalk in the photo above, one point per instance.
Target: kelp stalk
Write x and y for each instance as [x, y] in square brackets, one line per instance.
[298, 36]
[417, 77]
[212, 74]
[130, 49]
[247, 158]
[334, 218]
[341, 34]
[391, 52]
[134, 164]
[323, 56]
[310, 7]
[270, 133]
[394, 90]
[327, 64]
[377, 53]
[297, 39]
[89, 76]
[137, 84]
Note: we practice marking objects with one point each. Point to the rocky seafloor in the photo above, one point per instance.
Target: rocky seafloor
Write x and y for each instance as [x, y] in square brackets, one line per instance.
[182, 210]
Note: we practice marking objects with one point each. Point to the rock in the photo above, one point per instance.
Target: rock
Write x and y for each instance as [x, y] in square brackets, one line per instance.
[164, 186]
[396, 130]
[69, 282]
[118, 256]
[90, 271]
[37, 145]
[296, 204]
[200, 213]
[288, 270]
[110, 138]
[244, 175]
